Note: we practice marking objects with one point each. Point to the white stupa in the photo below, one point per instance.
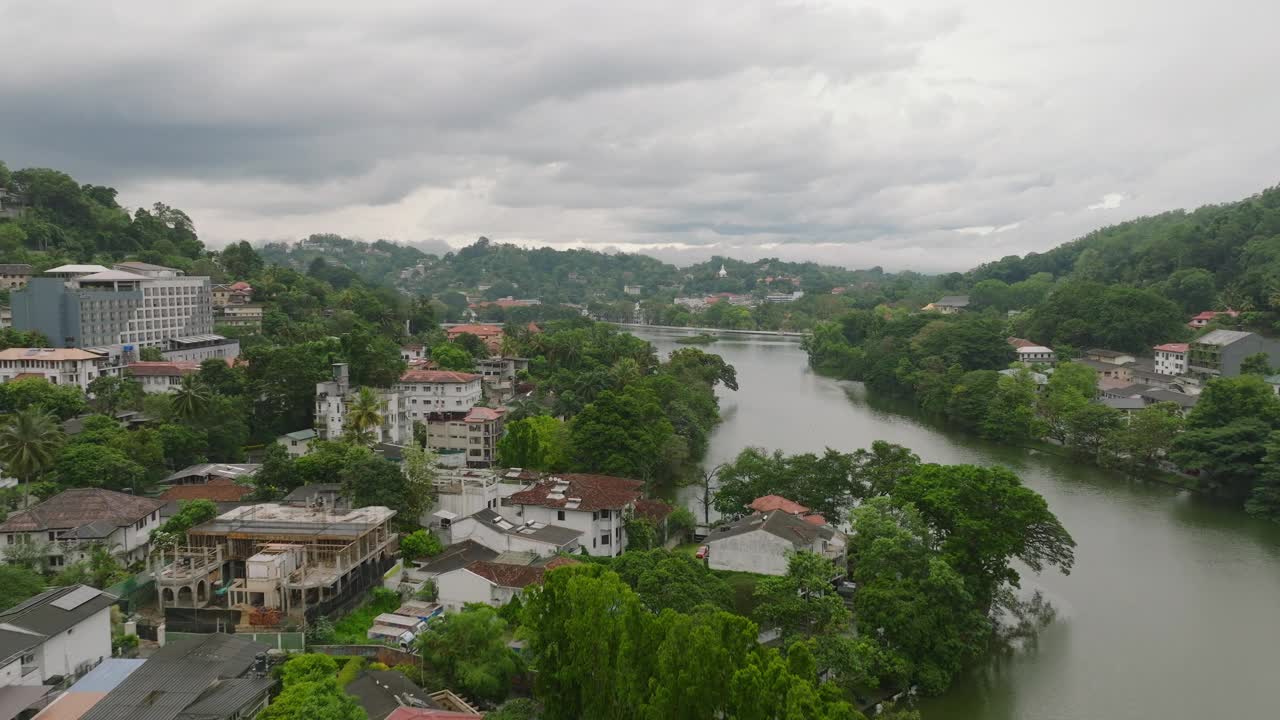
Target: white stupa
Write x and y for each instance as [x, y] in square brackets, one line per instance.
[723, 272]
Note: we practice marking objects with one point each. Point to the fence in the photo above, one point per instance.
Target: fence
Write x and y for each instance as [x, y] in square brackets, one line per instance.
[380, 653]
[286, 641]
[136, 592]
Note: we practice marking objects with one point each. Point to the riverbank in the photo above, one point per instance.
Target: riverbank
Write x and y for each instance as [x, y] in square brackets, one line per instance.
[1166, 584]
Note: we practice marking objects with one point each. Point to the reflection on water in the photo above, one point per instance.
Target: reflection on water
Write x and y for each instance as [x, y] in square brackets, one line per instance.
[1171, 611]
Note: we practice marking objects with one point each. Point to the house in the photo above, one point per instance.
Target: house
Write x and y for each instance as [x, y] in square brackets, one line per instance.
[298, 442]
[412, 353]
[494, 582]
[318, 494]
[490, 529]
[1184, 401]
[1171, 358]
[1126, 406]
[218, 482]
[6, 317]
[1125, 391]
[1109, 373]
[238, 293]
[1222, 352]
[499, 374]
[63, 632]
[594, 505]
[200, 677]
[161, 376]
[949, 304]
[473, 434]
[632, 289]
[1208, 316]
[14, 275]
[762, 543]
[454, 557]
[769, 503]
[1109, 357]
[784, 297]
[490, 334]
[70, 523]
[1035, 354]
[60, 366]
[1017, 342]
[382, 692]
[428, 391]
[285, 559]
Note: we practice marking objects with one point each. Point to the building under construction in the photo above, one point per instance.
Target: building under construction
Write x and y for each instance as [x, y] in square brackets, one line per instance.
[277, 563]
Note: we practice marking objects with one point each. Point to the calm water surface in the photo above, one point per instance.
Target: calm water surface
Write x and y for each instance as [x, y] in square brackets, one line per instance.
[1172, 611]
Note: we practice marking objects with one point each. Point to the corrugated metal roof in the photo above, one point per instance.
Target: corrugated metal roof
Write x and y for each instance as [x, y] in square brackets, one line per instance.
[226, 698]
[109, 674]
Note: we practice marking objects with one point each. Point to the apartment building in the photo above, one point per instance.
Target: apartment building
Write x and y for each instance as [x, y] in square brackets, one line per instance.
[60, 366]
[333, 398]
[474, 433]
[428, 391]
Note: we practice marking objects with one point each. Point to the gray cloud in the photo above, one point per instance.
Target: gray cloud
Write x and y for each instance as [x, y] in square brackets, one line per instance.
[914, 134]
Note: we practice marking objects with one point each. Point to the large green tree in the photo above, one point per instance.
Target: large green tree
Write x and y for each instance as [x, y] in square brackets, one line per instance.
[469, 651]
[29, 445]
[620, 434]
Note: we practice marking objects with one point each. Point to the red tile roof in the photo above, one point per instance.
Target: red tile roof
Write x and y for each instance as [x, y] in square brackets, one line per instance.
[482, 414]
[594, 492]
[480, 331]
[241, 285]
[1020, 342]
[814, 519]
[437, 376]
[154, 368]
[502, 575]
[81, 506]
[769, 503]
[1173, 347]
[29, 376]
[218, 489]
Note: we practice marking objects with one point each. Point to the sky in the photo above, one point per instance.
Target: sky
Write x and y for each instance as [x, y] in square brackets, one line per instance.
[913, 134]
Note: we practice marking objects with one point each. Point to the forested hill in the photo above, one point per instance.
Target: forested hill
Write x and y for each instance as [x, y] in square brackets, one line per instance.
[548, 274]
[1227, 255]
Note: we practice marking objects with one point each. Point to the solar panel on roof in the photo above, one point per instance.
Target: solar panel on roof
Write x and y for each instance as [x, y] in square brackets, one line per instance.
[75, 598]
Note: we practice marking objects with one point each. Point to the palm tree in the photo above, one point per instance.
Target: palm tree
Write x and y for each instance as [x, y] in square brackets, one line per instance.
[29, 443]
[364, 415]
[191, 399]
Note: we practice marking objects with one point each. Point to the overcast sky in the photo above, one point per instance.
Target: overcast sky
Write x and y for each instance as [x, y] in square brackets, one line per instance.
[908, 134]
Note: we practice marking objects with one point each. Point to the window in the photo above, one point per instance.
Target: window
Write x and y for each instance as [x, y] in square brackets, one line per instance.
[604, 514]
[51, 536]
[560, 515]
[9, 538]
[604, 539]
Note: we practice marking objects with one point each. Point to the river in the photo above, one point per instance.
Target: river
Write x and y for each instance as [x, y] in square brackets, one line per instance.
[1172, 611]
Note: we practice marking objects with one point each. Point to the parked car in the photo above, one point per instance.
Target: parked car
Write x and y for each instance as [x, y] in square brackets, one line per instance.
[702, 552]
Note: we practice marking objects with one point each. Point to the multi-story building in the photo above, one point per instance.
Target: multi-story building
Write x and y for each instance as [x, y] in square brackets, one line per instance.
[1035, 354]
[70, 523]
[6, 317]
[60, 366]
[1171, 358]
[428, 391]
[333, 399]
[1221, 352]
[133, 304]
[499, 375]
[474, 433]
[242, 315]
[14, 275]
[594, 505]
[290, 559]
[298, 442]
[490, 334]
[160, 376]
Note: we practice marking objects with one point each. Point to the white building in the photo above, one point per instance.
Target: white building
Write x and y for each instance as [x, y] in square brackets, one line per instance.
[61, 632]
[1171, 358]
[60, 366]
[428, 391]
[333, 399]
[161, 376]
[70, 523]
[298, 442]
[762, 543]
[593, 505]
[784, 297]
[1033, 354]
[499, 534]
[246, 315]
[494, 583]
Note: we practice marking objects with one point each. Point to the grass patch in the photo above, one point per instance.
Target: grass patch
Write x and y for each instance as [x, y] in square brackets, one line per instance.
[686, 548]
[354, 628]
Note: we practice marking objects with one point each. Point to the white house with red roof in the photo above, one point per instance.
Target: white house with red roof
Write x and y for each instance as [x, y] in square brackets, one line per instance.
[763, 541]
[1171, 358]
[1208, 316]
[436, 391]
[494, 582]
[594, 505]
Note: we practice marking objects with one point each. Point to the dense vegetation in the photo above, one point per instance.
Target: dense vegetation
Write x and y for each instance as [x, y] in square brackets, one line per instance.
[625, 412]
